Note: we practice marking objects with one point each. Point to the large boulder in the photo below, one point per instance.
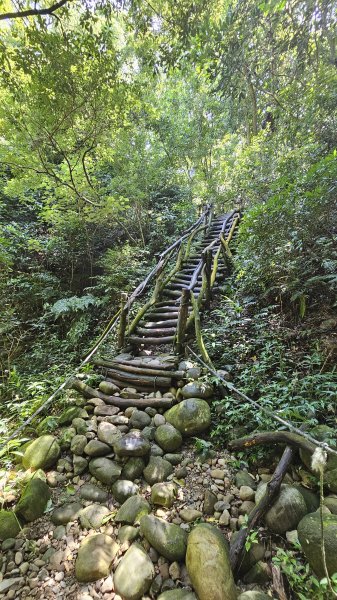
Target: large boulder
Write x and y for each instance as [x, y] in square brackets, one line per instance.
[9, 525]
[133, 509]
[42, 453]
[157, 470]
[168, 437]
[134, 574]
[105, 470]
[33, 501]
[309, 535]
[167, 538]
[208, 564]
[190, 417]
[197, 389]
[94, 558]
[287, 510]
[132, 444]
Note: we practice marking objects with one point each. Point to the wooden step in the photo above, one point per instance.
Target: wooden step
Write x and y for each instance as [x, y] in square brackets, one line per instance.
[157, 332]
[132, 379]
[145, 371]
[166, 316]
[139, 363]
[167, 323]
[134, 339]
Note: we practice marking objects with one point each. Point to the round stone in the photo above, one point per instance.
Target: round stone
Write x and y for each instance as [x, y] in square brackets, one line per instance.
[96, 448]
[168, 437]
[197, 389]
[132, 444]
[105, 470]
[134, 574]
[92, 492]
[167, 538]
[65, 513]
[108, 433]
[92, 516]
[190, 416]
[157, 470]
[94, 557]
[42, 453]
[123, 489]
[139, 419]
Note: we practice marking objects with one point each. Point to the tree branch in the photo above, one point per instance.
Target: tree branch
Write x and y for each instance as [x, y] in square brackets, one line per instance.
[32, 12]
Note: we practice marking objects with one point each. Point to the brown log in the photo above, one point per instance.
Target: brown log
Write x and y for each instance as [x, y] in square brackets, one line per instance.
[273, 488]
[89, 392]
[136, 362]
[168, 323]
[134, 339]
[141, 370]
[163, 315]
[273, 437]
[146, 380]
[156, 331]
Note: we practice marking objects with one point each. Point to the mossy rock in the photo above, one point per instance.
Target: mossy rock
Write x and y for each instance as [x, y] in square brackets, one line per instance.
[134, 573]
[94, 558]
[33, 501]
[9, 525]
[309, 535]
[208, 564]
[69, 414]
[42, 453]
[190, 417]
[167, 538]
[287, 509]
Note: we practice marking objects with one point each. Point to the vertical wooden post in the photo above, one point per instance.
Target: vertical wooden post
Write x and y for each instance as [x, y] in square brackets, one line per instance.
[182, 320]
[198, 334]
[208, 273]
[122, 321]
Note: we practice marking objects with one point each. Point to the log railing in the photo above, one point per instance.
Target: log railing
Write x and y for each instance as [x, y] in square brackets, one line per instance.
[158, 273]
[208, 267]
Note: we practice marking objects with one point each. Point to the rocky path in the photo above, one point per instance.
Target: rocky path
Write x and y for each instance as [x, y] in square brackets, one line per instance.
[113, 497]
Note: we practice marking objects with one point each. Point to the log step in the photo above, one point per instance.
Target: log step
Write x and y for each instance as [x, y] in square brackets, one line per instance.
[133, 380]
[144, 371]
[157, 332]
[153, 324]
[167, 315]
[138, 363]
[134, 339]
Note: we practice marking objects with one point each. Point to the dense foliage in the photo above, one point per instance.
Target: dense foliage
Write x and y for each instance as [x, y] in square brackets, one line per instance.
[118, 121]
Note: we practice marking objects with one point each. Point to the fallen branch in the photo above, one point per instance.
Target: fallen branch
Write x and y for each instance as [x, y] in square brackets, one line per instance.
[273, 488]
[273, 437]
